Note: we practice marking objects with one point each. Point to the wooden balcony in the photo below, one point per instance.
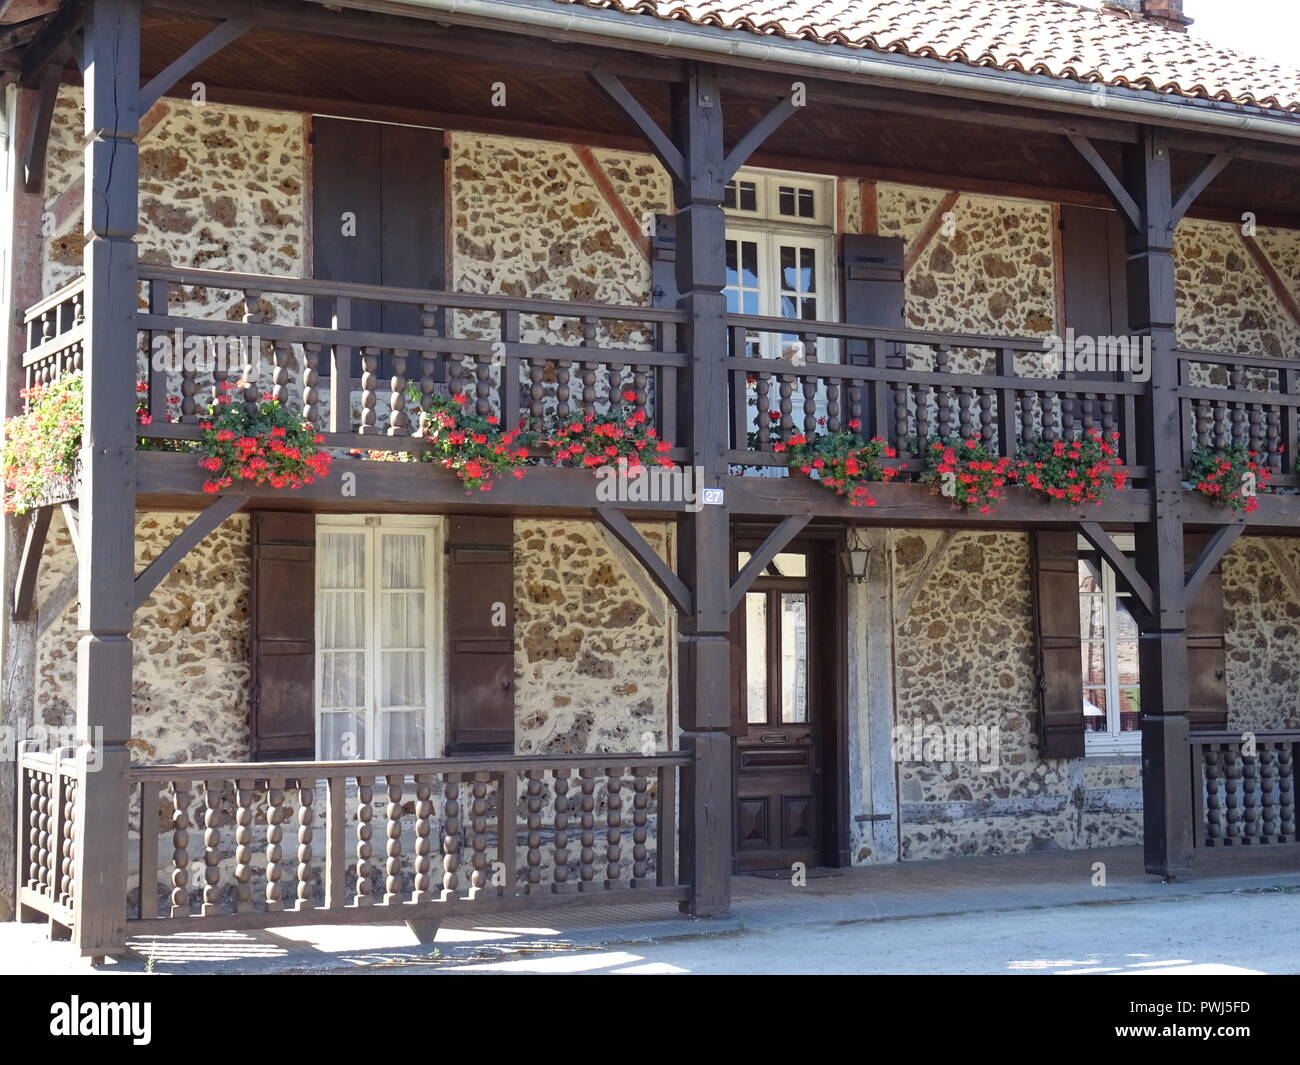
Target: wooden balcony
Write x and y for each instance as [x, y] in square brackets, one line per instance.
[538, 361]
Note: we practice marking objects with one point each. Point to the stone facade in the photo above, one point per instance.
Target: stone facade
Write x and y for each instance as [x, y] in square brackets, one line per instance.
[227, 188]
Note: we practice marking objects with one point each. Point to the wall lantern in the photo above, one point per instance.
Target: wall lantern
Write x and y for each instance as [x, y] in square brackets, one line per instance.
[855, 555]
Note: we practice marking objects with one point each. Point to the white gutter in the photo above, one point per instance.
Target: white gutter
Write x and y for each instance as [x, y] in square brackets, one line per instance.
[707, 42]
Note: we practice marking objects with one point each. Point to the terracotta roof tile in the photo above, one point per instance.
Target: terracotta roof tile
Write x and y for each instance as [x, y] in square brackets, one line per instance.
[1057, 38]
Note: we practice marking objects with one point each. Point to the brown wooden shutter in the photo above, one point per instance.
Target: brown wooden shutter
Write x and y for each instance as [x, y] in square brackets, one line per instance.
[481, 658]
[871, 278]
[663, 262]
[283, 646]
[1093, 271]
[1054, 569]
[1206, 647]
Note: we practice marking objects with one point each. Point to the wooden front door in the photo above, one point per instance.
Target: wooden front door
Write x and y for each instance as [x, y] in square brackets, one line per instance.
[785, 687]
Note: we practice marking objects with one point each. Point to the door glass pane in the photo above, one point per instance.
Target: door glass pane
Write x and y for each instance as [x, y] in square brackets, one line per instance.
[1094, 709]
[794, 658]
[403, 661]
[401, 734]
[756, 658]
[342, 737]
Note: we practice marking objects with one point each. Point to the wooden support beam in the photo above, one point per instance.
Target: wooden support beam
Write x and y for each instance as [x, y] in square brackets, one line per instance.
[636, 230]
[38, 528]
[51, 608]
[917, 247]
[205, 522]
[662, 145]
[772, 546]
[1213, 551]
[51, 44]
[621, 527]
[751, 141]
[72, 519]
[38, 135]
[903, 604]
[1114, 186]
[198, 53]
[1125, 571]
[1275, 280]
[1201, 181]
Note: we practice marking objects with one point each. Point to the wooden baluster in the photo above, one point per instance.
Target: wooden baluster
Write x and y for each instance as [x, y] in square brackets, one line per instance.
[613, 829]
[640, 819]
[965, 423]
[587, 855]
[282, 357]
[1250, 793]
[180, 849]
[450, 837]
[1273, 438]
[923, 423]
[244, 812]
[901, 424]
[1088, 410]
[1026, 414]
[1047, 415]
[422, 886]
[1204, 421]
[274, 836]
[1268, 792]
[786, 407]
[365, 814]
[1237, 377]
[537, 392]
[562, 407]
[478, 877]
[1286, 791]
[430, 326]
[1069, 404]
[1220, 426]
[942, 394]
[399, 422]
[306, 815]
[1214, 809]
[640, 386]
[533, 805]
[69, 844]
[988, 427]
[560, 874]
[39, 856]
[809, 386]
[762, 411]
[211, 847]
[311, 406]
[252, 391]
[369, 390]
[393, 849]
[588, 377]
[1255, 433]
[1108, 423]
[833, 424]
[1232, 781]
[614, 383]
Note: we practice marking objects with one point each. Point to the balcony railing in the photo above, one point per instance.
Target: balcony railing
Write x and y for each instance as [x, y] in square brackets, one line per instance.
[260, 845]
[1244, 795]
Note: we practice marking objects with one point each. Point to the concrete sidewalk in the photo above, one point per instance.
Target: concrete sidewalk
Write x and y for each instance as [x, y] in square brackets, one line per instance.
[829, 898]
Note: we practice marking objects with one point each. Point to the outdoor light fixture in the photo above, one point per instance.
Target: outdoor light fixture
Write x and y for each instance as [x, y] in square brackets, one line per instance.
[855, 555]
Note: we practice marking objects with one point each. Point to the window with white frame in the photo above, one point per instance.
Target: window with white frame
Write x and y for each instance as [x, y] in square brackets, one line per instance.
[1112, 707]
[779, 243]
[378, 680]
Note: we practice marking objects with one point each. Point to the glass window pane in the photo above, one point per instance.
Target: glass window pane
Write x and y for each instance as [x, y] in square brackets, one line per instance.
[1125, 627]
[342, 620]
[807, 204]
[343, 680]
[1126, 661]
[401, 560]
[1092, 617]
[1130, 710]
[808, 269]
[756, 658]
[794, 658]
[342, 560]
[749, 264]
[785, 200]
[401, 734]
[748, 196]
[402, 679]
[729, 195]
[1094, 709]
[342, 737]
[789, 564]
[401, 621]
[1089, 576]
[1094, 662]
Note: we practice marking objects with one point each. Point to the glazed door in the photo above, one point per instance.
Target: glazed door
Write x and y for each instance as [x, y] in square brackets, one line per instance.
[777, 773]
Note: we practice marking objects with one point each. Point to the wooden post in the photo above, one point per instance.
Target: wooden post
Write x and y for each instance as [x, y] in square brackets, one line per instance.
[704, 536]
[1166, 774]
[107, 492]
[20, 287]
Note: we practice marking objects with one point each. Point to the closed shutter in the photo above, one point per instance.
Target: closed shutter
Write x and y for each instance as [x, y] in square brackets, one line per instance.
[1093, 272]
[871, 277]
[481, 636]
[283, 649]
[1206, 647]
[1054, 568]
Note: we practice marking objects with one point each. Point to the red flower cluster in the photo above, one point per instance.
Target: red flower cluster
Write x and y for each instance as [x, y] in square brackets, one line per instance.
[967, 473]
[471, 445]
[598, 440]
[266, 445]
[842, 461]
[1073, 471]
[1231, 477]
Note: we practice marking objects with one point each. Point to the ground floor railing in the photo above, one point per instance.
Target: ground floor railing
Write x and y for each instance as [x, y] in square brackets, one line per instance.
[1244, 788]
[47, 831]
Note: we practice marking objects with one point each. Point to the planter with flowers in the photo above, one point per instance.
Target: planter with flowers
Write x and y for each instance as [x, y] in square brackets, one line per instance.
[264, 445]
[42, 444]
[473, 446]
[1228, 477]
[1072, 471]
[143, 417]
[620, 438]
[967, 473]
[842, 461]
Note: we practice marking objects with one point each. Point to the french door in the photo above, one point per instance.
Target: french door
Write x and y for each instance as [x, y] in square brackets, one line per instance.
[377, 682]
